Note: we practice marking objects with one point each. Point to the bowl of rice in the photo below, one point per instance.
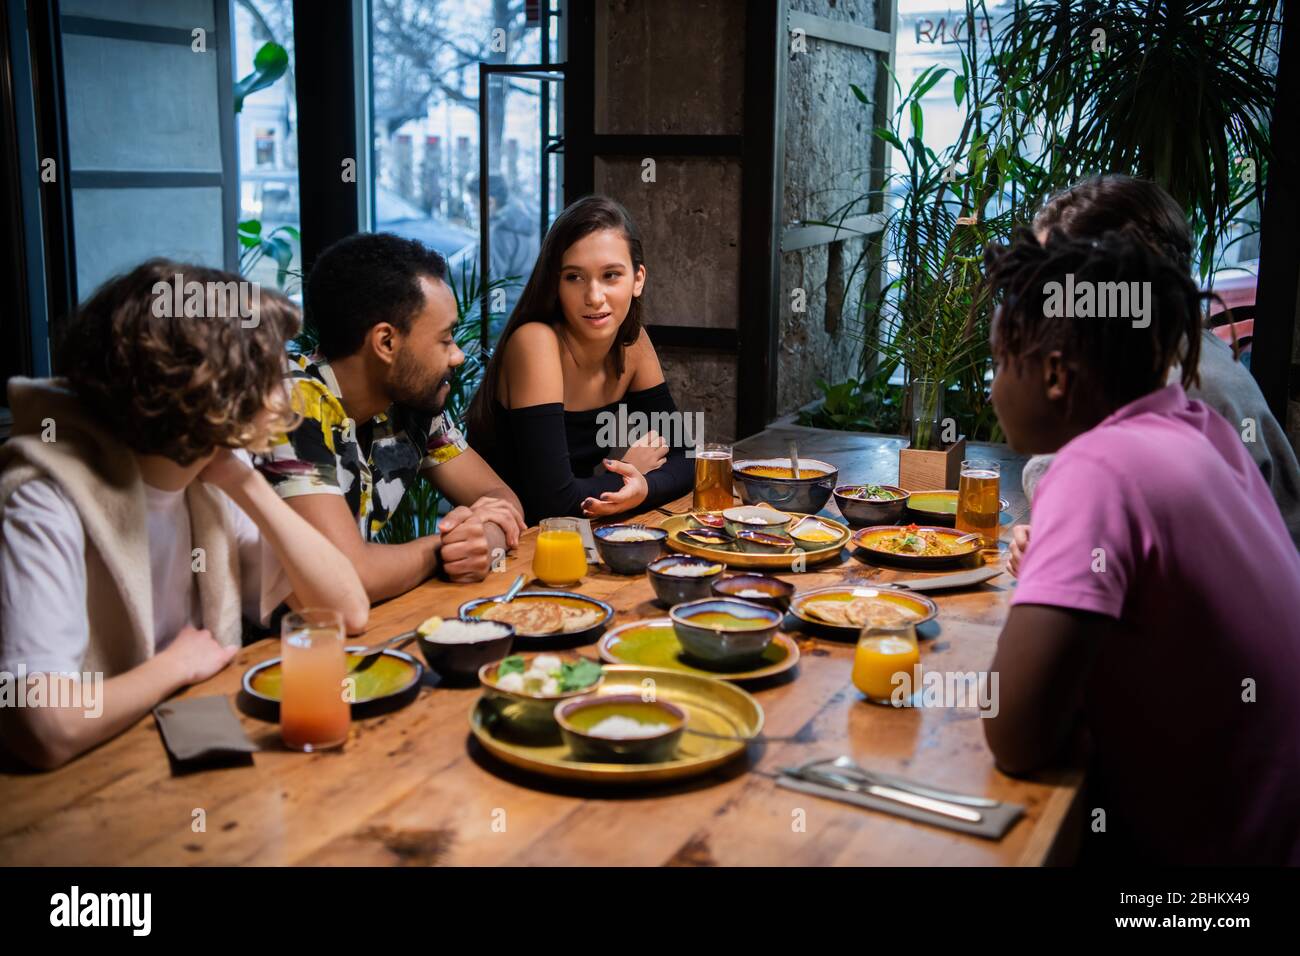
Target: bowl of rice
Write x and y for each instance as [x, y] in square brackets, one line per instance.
[620, 728]
[456, 649]
[628, 548]
[679, 578]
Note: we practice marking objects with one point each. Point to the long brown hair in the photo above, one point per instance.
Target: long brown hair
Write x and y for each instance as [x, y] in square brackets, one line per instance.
[540, 300]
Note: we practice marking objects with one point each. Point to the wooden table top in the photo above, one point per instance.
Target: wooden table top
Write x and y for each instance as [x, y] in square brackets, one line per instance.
[412, 787]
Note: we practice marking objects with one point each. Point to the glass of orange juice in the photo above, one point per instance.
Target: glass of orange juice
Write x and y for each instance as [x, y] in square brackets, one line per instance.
[885, 654]
[560, 558]
[315, 713]
[978, 507]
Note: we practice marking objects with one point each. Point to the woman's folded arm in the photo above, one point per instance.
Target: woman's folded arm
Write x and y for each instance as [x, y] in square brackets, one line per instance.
[676, 475]
[548, 486]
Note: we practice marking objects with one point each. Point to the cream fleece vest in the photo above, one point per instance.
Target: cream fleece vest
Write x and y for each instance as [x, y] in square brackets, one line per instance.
[99, 475]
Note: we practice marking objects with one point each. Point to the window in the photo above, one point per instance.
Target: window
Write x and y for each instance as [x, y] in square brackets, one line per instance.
[425, 132]
[267, 119]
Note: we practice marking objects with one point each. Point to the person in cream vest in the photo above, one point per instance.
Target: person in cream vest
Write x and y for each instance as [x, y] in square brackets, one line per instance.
[133, 540]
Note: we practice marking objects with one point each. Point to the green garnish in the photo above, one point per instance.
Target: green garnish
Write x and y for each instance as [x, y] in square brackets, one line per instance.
[511, 665]
[875, 491]
[578, 674]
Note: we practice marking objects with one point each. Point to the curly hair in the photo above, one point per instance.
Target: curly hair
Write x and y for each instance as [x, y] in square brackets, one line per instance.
[177, 369]
[1116, 361]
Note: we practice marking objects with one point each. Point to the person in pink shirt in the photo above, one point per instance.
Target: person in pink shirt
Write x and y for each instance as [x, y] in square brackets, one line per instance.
[1158, 605]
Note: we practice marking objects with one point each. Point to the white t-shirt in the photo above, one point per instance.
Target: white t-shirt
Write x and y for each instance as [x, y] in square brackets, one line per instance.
[43, 623]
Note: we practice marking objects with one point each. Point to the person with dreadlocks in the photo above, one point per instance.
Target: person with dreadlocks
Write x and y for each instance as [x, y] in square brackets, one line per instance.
[1124, 624]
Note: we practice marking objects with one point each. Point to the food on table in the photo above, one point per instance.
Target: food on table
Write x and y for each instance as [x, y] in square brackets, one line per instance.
[751, 593]
[859, 612]
[546, 675]
[536, 618]
[630, 534]
[723, 621]
[762, 541]
[429, 625]
[772, 471]
[617, 725]
[913, 541]
[684, 570]
[872, 493]
[814, 531]
[463, 632]
[707, 520]
[708, 537]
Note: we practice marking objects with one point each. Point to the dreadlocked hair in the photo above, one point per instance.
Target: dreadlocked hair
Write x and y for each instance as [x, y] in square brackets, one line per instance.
[1113, 359]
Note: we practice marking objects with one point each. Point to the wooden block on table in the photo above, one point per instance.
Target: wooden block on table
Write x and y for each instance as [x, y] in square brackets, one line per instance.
[920, 469]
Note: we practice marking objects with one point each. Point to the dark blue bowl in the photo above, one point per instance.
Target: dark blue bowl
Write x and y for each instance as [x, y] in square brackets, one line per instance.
[628, 557]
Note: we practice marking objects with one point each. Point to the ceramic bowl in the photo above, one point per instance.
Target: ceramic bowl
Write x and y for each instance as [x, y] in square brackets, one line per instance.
[725, 642]
[761, 542]
[628, 557]
[757, 589]
[459, 663]
[805, 495]
[673, 589]
[861, 512]
[576, 718]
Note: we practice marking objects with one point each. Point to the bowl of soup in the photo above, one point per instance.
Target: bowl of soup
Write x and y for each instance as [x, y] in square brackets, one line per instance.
[620, 728]
[723, 632]
[866, 505]
[773, 481]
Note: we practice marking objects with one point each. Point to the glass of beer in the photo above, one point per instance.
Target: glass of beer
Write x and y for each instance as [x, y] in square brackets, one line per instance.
[315, 708]
[559, 558]
[887, 664]
[713, 487]
[978, 507]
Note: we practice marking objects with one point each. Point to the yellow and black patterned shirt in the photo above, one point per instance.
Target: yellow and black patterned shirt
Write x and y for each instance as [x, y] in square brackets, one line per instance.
[323, 455]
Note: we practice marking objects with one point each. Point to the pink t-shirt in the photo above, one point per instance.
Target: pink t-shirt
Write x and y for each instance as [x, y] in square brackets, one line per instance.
[1160, 519]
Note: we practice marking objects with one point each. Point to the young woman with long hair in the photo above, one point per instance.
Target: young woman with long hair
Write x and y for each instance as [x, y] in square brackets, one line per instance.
[573, 351]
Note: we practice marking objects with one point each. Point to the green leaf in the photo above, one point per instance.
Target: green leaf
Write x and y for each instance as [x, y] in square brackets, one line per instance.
[889, 136]
[269, 64]
[578, 674]
[857, 91]
[514, 664]
[918, 120]
[958, 89]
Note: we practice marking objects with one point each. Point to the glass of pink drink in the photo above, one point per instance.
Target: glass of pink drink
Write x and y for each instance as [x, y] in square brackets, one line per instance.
[315, 713]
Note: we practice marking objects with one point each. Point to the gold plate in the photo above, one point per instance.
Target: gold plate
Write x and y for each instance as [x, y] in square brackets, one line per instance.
[714, 706]
[743, 559]
[919, 604]
[654, 643]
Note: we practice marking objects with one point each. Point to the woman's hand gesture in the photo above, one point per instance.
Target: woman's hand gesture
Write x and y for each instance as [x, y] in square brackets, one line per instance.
[632, 493]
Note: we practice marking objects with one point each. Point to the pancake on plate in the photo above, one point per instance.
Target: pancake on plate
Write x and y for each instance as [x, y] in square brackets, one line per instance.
[579, 618]
[531, 618]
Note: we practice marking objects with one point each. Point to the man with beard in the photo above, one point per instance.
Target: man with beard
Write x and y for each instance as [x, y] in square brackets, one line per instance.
[372, 397]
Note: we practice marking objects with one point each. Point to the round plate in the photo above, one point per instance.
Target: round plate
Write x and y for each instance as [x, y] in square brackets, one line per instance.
[654, 643]
[394, 674]
[472, 609]
[919, 604]
[743, 559]
[715, 706]
[938, 507]
[865, 538]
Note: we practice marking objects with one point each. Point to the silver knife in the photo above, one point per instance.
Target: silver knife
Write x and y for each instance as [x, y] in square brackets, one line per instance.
[839, 782]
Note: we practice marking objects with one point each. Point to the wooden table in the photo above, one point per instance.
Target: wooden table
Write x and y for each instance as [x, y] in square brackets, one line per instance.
[412, 788]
